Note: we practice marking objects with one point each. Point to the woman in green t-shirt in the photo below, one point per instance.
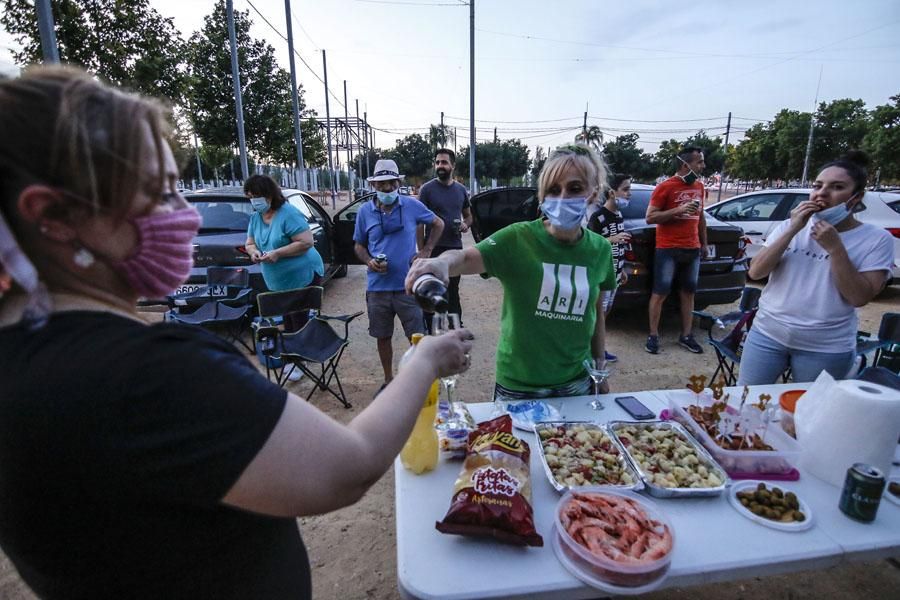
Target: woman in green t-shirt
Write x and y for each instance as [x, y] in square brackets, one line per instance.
[553, 271]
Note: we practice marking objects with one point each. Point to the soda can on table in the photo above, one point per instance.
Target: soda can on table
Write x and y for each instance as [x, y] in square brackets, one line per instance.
[862, 492]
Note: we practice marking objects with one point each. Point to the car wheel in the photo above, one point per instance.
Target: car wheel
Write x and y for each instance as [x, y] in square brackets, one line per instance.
[340, 272]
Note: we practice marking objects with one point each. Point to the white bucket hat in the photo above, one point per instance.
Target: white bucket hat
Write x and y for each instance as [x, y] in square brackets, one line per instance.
[385, 170]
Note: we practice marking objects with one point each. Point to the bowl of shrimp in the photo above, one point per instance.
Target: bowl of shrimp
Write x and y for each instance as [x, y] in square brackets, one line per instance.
[614, 540]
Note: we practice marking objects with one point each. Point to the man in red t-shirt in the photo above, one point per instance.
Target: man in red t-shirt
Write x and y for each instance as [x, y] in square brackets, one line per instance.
[676, 208]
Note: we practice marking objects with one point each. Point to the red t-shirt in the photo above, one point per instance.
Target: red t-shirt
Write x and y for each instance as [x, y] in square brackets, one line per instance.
[684, 230]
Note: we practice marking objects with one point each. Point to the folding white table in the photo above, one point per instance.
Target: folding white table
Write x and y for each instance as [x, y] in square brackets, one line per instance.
[713, 542]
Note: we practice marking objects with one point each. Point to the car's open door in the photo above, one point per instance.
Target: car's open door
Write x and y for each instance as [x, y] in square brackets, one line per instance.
[343, 225]
[495, 209]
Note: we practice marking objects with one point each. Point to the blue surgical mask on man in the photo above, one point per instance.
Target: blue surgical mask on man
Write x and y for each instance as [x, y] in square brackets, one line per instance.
[834, 215]
[387, 198]
[259, 204]
[622, 203]
[565, 213]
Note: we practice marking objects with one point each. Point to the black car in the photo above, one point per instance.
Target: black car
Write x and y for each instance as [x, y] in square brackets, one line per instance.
[226, 214]
[722, 275]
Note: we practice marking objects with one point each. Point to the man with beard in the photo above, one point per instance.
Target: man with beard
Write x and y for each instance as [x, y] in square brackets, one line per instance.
[449, 200]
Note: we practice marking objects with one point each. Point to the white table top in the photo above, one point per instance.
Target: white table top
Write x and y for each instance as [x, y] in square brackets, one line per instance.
[712, 541]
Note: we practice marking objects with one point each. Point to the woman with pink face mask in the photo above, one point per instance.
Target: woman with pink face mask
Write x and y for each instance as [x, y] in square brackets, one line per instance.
[139, 460]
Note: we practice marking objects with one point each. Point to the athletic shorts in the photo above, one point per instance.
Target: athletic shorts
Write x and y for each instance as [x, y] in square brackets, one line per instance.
[384, 306]
[669, 263]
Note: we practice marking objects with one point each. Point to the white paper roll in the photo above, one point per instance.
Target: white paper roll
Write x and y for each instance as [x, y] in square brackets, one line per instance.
[839, 423]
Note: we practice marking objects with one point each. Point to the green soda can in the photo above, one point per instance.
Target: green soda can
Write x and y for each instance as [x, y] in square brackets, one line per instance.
[862, 492]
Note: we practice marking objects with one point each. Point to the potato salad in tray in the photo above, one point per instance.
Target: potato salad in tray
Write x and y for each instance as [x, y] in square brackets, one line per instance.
[670, 462]
[577, 454]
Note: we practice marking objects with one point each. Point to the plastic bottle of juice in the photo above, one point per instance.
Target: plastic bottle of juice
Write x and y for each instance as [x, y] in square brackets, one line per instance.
[420, 453]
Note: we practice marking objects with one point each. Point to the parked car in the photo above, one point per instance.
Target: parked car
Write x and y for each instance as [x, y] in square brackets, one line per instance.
[722, 275]
[758, 213]
[226, 214]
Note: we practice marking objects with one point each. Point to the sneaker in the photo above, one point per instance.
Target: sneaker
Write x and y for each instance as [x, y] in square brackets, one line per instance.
[652, 345]
[610, 357]
[294, 374]
[688, 341]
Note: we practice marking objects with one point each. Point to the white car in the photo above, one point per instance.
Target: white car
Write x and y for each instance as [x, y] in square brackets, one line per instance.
[757, 213]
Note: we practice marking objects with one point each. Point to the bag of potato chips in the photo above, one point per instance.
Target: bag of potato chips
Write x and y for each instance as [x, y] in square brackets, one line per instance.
[492, 495]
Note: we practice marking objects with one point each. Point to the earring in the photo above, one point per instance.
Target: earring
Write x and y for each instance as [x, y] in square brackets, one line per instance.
[83, 258]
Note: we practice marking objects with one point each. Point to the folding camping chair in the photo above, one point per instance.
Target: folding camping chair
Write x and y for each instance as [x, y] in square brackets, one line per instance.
[222, 305]
[291, 330]
[728, 348]
[887, 354]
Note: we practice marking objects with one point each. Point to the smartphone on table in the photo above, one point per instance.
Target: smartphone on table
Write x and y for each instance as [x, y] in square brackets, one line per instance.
[635, 408]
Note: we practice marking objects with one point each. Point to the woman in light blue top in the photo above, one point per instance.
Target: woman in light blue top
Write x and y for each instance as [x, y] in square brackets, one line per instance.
[279, 238]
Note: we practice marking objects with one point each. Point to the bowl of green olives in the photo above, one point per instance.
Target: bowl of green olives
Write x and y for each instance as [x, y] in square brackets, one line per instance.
[774, 506]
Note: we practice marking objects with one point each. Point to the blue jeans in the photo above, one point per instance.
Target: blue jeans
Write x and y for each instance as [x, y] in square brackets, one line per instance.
[764, 359]
[669, 262]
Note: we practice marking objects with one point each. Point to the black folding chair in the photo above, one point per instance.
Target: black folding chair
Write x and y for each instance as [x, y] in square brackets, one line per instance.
[222, 305]
[291, 331]
[883, 346]
[729, 347]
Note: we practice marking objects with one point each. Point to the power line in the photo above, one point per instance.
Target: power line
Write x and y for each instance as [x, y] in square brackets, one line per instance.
[303, 29]
[282, 36]
[401, 3]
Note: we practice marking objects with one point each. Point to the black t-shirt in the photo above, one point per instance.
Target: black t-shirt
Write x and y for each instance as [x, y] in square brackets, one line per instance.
[117, 442]
[447, 202]
[608, 223]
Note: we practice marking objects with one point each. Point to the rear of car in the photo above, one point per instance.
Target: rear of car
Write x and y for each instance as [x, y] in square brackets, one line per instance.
[225, 215]
[722, 275]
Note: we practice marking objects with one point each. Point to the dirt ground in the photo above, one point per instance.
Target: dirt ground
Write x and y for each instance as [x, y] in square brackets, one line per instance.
[353, 551]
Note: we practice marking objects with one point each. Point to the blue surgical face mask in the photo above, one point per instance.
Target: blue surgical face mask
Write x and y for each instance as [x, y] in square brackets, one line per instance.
[259, 204]
[622, 203]
[388, 198]
[564, 213]
[834, 215]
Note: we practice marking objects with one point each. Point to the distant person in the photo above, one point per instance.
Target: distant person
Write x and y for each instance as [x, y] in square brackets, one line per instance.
[449, 200]
[608, 222]
[676, 208]
[554, 273]
[279, 238]
[387, 226]
[822, 264]
[148, 461]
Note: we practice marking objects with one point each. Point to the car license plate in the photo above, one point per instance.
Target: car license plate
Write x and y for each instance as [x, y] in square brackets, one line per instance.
[187, 289]
[711, 251]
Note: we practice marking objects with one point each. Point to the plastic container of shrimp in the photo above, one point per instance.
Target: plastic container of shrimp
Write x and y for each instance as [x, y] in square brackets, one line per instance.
[624, 575]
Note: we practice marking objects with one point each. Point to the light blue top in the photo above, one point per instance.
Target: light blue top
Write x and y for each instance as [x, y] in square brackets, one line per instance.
[392, 234]
[290, 272]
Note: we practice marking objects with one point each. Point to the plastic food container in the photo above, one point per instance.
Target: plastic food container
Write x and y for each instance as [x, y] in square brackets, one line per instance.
[746, 462]
[788, 402]
[600, 571]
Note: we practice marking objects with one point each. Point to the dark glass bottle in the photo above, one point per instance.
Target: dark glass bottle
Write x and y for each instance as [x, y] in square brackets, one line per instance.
[431, 294]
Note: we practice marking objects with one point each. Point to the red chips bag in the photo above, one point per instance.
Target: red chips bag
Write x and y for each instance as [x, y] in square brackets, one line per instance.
[492, 495]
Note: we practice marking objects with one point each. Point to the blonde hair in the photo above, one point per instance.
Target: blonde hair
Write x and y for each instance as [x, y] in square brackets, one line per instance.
[65, 129]
[584, 159]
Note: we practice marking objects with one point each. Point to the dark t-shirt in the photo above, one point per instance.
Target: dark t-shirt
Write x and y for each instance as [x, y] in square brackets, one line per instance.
[117, 443]
[447, 202]
[608, 223]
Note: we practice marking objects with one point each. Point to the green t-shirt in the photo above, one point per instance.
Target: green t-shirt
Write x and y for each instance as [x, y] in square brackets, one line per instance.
[549, 309]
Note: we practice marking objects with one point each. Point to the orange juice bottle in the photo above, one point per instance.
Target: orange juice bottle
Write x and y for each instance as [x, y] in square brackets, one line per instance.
[420, 453]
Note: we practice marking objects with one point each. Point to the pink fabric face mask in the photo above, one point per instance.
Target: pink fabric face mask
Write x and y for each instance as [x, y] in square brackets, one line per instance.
[164, 256]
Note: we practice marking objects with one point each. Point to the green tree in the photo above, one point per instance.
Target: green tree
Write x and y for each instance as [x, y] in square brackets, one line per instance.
[882, 140]
[592, 136]
[713, 152]
[438, 136]
[841, 125]
[265, 90]
[540, 157]
[413, 157]
[624, 156]
[501, 160]
[126, 43]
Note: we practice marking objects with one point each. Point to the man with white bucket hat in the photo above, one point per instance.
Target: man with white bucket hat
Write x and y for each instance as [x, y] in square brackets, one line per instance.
[386, 225]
